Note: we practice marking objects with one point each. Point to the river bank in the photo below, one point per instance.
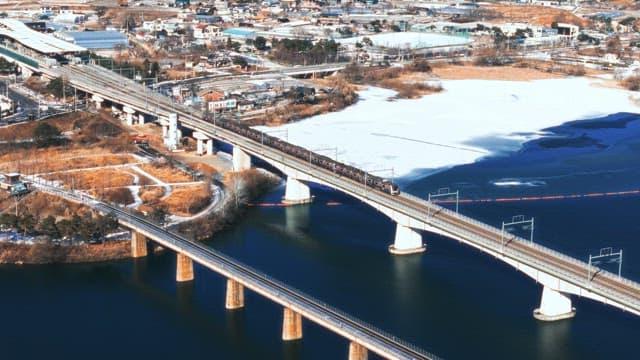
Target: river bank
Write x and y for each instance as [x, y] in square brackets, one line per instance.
[20, 254]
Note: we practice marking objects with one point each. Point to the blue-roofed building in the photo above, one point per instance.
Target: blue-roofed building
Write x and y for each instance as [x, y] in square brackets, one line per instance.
[240, 33]
[96, 40]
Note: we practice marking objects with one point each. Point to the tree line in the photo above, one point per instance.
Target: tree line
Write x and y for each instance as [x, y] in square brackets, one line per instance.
[86, 227]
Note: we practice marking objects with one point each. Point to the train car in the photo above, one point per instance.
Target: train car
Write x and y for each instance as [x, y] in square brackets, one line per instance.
[302, 153]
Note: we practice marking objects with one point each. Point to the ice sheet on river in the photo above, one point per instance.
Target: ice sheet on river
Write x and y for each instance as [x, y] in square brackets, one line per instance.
[439, 130]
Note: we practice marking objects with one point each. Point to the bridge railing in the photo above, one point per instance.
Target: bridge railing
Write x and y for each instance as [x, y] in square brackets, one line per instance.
[516, 254]
[180, 241]
[481, 241]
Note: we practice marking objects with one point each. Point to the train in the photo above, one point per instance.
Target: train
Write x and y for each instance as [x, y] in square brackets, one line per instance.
[299, 152]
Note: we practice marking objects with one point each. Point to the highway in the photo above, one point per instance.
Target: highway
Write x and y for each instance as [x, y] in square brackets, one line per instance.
[613, 290]
[333, 319]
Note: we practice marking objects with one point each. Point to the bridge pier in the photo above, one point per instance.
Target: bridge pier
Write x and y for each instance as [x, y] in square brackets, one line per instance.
[296, 192]
[98, 100]
[140, 119]
[554, 306]
[138, 245]
[129, 111]
[357, 351]
[235, 295]
[204, 143]
[407, 241]
[241, 160]
[184, 268]
[172, 134]
[291, 325]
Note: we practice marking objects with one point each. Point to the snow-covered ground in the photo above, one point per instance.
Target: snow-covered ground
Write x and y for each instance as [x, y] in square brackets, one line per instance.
[438, 130]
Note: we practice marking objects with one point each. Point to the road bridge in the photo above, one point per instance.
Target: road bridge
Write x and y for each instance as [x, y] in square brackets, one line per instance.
[297, 305]
[559, 275]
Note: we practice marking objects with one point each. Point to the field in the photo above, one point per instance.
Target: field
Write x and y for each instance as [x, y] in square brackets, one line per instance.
[97, 158]
[536, 15]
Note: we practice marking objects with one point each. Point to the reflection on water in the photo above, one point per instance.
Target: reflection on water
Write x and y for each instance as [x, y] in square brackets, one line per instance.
[297, 219]
[553, 339]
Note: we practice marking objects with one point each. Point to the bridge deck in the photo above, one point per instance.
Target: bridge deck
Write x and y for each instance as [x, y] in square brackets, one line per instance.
[325, 315]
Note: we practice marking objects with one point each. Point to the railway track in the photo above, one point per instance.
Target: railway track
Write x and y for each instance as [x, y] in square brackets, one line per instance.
[251, 275]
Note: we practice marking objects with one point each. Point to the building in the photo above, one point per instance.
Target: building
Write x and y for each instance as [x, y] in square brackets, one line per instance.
[96, 40]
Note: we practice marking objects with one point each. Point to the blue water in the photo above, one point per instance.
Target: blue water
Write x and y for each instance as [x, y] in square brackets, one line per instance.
[452, 300]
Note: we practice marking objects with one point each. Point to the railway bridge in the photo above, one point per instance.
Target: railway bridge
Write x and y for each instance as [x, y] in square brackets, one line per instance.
[559, 275]
[362, 337]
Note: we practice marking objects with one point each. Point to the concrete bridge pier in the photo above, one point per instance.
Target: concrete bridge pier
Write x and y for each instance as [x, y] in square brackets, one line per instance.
[165, 127]
[129, 111]
[291, 325]
[407, 241]
[241, 160]
[138, 245]
[184, 268]
[296, 192]
[140, 119]
[98, 100]
[235, 295]
[204, 143]
[554, 306]
[172, 134]
[357, 351]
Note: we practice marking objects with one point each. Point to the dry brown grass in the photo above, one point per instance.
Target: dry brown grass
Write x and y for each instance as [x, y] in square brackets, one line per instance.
[536, 15]
[25, 130]
[151, 194]
[118, 196]
[42, 205]
[455, 72]
[56, 159]
[166, 173]
[206, 169]
[188, 200]
[94, 179]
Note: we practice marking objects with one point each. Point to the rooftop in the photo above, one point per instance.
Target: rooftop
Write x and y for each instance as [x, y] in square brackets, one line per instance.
[40, 42]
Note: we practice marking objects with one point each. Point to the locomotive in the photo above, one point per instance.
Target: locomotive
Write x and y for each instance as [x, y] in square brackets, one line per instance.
[299, 152]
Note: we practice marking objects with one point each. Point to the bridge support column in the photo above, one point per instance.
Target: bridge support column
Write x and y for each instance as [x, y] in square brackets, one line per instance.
[138, 244]
[296, 192]
[554, 305]
[173, 134]
[184, 268]
[235, 295]
[407, 241]
[241, 160]
[129, 119]
[98, 100]
[140, 119]
[209, 147]
[357, 351]
[291, 325]
[199, 146]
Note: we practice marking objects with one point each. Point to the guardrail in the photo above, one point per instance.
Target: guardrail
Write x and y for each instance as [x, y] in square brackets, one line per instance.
[248, 273]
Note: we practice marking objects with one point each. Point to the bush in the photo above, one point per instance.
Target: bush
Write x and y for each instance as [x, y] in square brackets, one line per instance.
[419, 65]
[632, 83]
[45, 135]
